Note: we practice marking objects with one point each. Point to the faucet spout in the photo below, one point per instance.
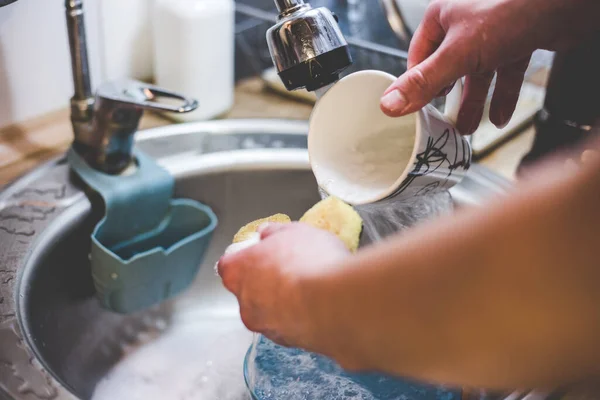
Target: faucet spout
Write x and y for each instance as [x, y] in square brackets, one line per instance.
[307, 46]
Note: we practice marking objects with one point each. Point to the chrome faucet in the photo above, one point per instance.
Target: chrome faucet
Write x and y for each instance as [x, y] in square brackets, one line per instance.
[307, 46]
[104, 124]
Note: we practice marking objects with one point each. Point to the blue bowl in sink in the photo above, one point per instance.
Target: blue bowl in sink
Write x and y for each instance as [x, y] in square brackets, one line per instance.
[273, 372]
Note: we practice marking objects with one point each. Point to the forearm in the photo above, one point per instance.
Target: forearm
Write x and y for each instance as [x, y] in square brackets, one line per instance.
[476, 299]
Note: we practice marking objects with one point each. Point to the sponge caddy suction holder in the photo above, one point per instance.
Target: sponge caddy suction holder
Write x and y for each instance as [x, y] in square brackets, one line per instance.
[148, 247]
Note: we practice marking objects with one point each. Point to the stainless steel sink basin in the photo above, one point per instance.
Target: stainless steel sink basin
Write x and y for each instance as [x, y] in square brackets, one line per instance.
[57, 343]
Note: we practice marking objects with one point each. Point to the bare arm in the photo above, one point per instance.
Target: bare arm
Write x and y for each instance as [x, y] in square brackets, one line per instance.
[501, 298]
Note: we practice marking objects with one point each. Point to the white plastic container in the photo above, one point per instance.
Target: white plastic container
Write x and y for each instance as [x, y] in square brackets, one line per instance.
[194, 53]
[126, 32]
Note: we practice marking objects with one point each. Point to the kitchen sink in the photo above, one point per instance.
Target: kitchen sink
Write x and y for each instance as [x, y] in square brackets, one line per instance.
[56, 342]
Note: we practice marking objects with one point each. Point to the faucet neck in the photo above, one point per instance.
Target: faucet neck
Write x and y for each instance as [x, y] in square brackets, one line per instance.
[82, 102]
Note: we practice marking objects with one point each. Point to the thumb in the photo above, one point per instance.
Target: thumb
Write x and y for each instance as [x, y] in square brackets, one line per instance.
[422, 83]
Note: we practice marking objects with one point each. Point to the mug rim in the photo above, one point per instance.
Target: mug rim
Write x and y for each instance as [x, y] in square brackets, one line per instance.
[391, 189]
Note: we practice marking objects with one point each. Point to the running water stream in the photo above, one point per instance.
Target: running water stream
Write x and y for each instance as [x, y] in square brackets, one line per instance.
[386, 219]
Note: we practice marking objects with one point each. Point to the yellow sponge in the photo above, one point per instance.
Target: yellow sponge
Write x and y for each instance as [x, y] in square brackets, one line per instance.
[248, 230]
[331, 214]
[337, 217]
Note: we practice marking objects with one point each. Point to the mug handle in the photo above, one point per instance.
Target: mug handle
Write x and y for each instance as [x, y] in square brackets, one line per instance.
[453, 100]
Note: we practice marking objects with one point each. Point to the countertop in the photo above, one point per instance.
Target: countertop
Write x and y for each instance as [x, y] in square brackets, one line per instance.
[25, 146]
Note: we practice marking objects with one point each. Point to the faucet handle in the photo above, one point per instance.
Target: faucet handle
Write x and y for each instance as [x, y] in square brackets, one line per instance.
[118, 109]
[129, 93]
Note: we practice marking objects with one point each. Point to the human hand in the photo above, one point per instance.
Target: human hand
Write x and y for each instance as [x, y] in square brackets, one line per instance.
[267, 279]
[477, 39]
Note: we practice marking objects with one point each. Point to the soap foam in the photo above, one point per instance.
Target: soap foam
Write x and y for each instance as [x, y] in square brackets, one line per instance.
[191, 361]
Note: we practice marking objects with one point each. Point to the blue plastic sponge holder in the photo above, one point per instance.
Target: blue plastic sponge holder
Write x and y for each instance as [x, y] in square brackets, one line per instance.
[147, 247]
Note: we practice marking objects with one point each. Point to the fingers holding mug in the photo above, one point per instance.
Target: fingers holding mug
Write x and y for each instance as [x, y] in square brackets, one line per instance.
[506, 94]
[476, 90]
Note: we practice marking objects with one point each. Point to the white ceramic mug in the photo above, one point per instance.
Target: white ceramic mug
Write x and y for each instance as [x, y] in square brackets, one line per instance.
[362, 156]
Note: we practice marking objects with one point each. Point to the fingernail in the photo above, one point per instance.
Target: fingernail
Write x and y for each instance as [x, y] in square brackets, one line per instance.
[503, 121]
[394, 101]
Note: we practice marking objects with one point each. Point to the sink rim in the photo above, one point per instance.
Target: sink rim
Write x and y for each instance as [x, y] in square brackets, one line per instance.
[28, 189]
